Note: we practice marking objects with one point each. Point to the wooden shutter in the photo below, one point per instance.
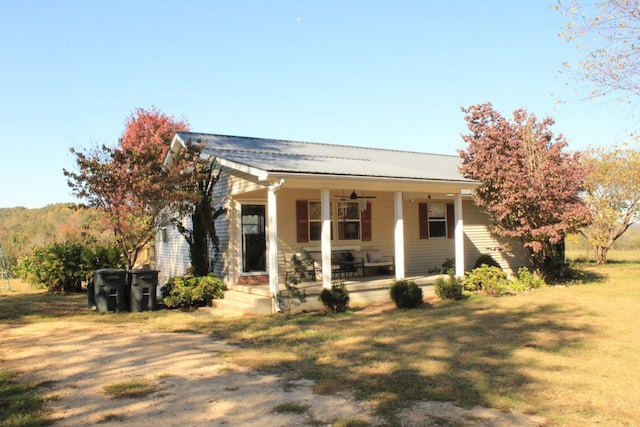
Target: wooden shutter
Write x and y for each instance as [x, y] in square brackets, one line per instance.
[302, 220]
[366, 224]
[451, 221]
[423, 212]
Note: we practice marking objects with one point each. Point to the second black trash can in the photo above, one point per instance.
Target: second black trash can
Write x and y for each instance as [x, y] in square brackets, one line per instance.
[143, 284]
[110, 289]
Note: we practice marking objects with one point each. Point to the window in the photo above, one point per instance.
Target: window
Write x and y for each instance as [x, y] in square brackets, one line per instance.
[353, 223]
[315, 221]
[436, 220]
[437, 215]
[348, 220]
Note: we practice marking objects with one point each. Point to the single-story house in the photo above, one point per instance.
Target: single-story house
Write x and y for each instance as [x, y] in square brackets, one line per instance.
[287, 196]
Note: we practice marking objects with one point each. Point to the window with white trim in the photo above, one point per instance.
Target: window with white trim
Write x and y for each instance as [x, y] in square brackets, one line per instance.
[437, 215]
[348, 220]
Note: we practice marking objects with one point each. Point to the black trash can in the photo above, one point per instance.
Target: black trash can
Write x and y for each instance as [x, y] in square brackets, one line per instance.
[110, 290]
[91, 295]
[143, 285]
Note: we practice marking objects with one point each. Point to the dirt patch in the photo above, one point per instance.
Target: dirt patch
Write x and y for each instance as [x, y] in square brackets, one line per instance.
[195, 379]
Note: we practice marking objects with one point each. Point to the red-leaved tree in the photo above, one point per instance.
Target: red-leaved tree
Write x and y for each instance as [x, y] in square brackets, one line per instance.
[145, 128]
[529, 185]
[128, 184]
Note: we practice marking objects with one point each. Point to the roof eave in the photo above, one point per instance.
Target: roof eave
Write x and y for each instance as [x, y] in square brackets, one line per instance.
[284, 174]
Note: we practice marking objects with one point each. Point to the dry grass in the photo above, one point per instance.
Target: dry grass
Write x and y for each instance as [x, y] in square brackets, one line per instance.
[569, 354]
[613, 256]
[129, 389]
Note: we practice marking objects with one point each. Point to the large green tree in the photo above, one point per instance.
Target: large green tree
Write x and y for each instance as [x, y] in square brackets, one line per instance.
[529, 185]
[612, 193]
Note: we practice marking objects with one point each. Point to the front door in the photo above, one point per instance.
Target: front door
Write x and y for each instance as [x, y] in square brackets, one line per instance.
[254, 239]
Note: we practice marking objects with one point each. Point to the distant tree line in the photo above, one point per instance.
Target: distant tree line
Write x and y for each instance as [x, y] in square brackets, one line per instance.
[23, 229]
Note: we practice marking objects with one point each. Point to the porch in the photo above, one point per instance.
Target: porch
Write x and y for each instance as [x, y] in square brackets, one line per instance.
[242, 300]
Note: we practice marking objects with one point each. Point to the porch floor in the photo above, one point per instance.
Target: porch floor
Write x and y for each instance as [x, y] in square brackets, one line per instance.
[255, 299]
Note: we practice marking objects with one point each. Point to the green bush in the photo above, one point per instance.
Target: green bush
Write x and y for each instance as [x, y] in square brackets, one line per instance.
[187, 292]
[447, 265]
[104, 256]
[62, 267]
[527, 280]
[449, 287]
[487, 260]
[487, 279]
[336, 299]
[406, 294]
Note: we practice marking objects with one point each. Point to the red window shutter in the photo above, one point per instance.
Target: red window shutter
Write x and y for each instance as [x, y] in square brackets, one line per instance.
[423, 212]
[451, 221]
[366, 224]
[302, 220]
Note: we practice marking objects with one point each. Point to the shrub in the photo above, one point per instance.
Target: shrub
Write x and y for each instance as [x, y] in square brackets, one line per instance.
[336, 299]
[449, 288]
[287, 299]
[447, 265]
[61, 267]
[406, 294]
[527, 280]
[487, 279]
[186, 292]
[487, 260]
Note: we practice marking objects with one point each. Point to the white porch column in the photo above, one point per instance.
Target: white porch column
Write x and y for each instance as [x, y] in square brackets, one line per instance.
[272, 242]
[399, 235]
[326, 238]
[459, 236]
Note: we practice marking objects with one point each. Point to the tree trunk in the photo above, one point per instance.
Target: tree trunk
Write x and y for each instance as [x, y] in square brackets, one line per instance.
[601, 254]
[200, 245]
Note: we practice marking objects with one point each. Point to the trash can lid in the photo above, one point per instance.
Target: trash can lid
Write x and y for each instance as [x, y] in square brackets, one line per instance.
[143, 270]
[109, 270]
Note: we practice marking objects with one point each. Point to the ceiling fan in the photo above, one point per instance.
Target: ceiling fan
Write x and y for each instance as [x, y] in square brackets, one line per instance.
[354, 196]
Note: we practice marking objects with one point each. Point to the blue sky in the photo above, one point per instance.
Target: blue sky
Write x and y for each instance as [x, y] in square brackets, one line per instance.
[389, 74]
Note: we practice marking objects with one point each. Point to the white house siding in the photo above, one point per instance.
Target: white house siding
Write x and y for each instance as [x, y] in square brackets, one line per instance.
[421, 255]
[221, 197]
[172, 254]
[478, 241]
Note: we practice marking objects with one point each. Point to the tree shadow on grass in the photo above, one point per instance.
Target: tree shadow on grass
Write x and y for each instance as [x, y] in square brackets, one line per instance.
[24, 307]
[579, 275]
[467, 352]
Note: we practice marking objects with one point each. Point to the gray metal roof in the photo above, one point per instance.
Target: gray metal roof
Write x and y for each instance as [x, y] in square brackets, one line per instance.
[279, 156]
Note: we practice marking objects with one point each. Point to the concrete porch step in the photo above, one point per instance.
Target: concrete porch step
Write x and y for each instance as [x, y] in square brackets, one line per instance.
[242, 303]
[241, 299]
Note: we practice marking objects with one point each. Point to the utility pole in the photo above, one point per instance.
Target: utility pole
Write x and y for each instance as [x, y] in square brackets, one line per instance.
[4, 266]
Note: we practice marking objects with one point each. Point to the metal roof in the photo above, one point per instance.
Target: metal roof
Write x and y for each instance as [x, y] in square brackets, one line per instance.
[279, 156]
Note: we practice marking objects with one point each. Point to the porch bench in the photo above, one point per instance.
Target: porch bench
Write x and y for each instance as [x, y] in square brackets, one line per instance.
[372, 258]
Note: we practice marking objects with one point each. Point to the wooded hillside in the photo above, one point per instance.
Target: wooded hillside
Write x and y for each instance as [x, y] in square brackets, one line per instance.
[21, 229]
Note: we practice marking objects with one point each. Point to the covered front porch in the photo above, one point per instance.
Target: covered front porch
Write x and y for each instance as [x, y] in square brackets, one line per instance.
[257, 299]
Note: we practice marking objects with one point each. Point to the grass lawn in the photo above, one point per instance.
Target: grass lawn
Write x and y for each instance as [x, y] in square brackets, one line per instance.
[567, 353]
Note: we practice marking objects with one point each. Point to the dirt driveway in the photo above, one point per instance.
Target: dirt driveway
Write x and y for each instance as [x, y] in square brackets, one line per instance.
[197, 383]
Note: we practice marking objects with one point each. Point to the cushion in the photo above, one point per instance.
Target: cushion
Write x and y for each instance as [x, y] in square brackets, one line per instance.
[375, 256]
[360, 255]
